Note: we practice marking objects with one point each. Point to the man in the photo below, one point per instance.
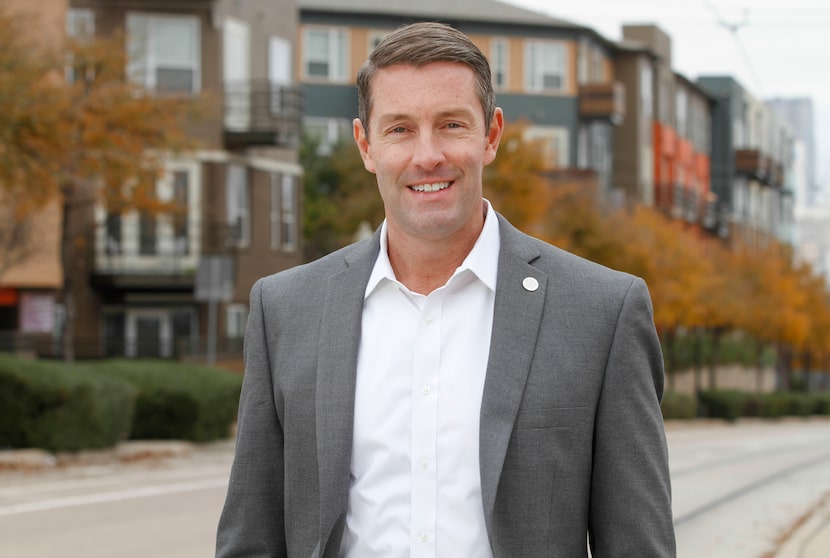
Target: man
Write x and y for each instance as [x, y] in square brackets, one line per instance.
[450, 387]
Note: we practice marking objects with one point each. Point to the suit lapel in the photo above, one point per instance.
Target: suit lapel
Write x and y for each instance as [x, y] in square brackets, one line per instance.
[516, 319]
[336, 368]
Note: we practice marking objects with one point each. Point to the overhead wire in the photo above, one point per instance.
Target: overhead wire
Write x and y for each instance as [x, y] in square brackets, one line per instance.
[733, 28]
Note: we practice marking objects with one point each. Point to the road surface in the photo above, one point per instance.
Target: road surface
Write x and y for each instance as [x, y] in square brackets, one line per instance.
[739, 490]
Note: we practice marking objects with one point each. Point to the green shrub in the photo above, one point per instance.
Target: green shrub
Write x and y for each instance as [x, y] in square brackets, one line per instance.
[678, 406]
[176, 400]
[822, 401]
[726, 404]
[775, 405]
[60, 407]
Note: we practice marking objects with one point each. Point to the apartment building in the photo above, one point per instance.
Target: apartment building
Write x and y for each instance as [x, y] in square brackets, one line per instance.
[752, 164]
[31, 274]
[151, 277]
[663, 147]
[555, 75]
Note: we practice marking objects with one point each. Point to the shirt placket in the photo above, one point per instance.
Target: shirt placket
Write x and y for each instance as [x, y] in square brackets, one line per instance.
[425, 386]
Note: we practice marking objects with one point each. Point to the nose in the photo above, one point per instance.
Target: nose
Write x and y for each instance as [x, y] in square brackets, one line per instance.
[428, 151]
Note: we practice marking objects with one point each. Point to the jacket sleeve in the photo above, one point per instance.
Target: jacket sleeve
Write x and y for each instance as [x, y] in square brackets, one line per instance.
[252, 523]
[630, 511]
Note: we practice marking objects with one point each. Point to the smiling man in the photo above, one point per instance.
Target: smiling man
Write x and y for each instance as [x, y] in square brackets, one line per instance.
[450, 387]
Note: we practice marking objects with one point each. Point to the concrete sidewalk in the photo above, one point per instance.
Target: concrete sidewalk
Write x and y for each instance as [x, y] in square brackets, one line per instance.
[811, 539]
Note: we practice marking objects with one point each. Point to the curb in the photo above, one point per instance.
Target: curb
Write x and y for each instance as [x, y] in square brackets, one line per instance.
[811, 538]
[36, 460]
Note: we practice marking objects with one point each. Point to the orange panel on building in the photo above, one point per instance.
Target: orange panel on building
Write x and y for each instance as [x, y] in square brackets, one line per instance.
[8, 297]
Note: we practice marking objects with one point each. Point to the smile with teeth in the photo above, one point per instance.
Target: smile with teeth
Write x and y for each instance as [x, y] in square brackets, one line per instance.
[430, 187]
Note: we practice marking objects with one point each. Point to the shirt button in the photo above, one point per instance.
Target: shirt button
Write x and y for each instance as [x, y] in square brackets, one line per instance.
[426, 390]
[424, 464]
[429, 320]
[424, 537]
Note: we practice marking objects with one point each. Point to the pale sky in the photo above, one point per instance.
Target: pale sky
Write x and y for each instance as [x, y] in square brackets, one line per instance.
[774, 48]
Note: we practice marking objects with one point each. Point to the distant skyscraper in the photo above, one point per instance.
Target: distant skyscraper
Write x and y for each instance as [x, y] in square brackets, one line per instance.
[798, 113]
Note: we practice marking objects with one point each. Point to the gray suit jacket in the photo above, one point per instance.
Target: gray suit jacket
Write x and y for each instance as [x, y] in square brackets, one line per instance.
[571, 443]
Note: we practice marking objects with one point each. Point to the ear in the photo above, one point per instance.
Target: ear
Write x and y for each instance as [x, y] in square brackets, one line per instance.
[494, 136]
[362, 141]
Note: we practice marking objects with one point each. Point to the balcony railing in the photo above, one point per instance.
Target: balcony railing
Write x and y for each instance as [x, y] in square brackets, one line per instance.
[260, 113]
[756, 164]
[602, 101]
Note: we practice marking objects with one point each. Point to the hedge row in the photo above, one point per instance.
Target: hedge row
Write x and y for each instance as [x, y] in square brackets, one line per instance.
[61, 407]
[732, 404]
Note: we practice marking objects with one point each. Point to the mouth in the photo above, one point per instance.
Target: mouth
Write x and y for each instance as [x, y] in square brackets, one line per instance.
[434, 187]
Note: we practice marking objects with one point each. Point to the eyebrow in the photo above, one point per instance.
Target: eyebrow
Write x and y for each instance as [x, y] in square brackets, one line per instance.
[460, 112]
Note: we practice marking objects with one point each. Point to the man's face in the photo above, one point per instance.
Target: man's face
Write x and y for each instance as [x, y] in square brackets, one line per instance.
[427, 145]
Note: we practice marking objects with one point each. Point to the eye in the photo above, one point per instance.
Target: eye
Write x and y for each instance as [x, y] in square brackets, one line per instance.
[397, 130]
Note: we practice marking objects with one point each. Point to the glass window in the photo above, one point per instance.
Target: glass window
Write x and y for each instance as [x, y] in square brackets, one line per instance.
[325, 54]
[500, 62]
[375, 37]
[283, 212]
[238, 199]
[164, 52]
[545, 66]
[681, 112]
[327, 132]
[147, 234]
[80, 22]
[113, 234]
[181, 242]
[236, 316]
[646, 90]
[288, 190]
[554, 144]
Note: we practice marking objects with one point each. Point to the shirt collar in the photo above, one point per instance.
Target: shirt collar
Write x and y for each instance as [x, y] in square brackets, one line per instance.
[483, 259]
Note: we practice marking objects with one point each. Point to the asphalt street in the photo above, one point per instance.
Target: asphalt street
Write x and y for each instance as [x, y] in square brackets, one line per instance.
[748, 490]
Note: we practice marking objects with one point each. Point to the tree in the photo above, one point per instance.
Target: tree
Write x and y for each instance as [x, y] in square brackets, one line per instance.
[17, 241]
[96, 139]
[339, 195]
[515, 181]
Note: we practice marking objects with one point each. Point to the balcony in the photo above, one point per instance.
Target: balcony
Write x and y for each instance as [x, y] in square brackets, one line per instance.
[259, 113]
[755, 164]
[602, 101]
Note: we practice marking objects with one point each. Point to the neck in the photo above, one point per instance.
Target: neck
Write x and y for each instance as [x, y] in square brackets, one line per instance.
[423, 264]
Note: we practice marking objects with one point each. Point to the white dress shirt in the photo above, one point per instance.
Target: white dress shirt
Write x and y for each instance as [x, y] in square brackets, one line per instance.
[415, 480]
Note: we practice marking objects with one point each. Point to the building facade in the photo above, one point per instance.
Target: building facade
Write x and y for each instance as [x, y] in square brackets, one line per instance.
[148, 283]
[30, 270]
[752, 165]
[554, 75]
[662, 153]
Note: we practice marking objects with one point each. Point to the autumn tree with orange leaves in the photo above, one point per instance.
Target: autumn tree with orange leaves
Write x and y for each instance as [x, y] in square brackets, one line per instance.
[92, 140]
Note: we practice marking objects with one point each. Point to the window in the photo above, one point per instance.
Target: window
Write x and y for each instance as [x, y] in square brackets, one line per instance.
[375, 37]
[238, 197]
[80, 25]
[289, 212]
[164, 52]
[554, 144]
[500, 62]
[591, 63]
[283, 212]
[681, 109]
[80, 22]
[236, 315]
[181, 239]
[147, 234]
[325, 54]
[113, 234]
[327, 132]
[646, 90]
[545, 66]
